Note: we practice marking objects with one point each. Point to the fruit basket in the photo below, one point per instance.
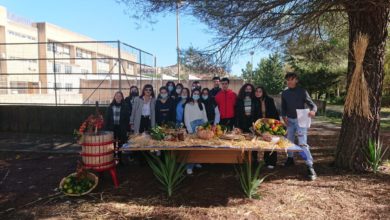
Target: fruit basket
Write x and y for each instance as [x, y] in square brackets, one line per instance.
[270, 126]
[269, 129]
[77, 184]
[168, 134]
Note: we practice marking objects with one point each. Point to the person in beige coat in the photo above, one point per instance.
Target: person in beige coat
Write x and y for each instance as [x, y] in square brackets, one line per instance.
[143, 114]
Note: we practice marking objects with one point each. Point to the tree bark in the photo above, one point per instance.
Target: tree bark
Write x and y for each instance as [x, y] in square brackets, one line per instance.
[366, 18]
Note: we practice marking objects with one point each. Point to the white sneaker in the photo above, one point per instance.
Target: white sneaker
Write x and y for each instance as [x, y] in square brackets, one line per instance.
[189, 172]
[270, 167]
[198, 166]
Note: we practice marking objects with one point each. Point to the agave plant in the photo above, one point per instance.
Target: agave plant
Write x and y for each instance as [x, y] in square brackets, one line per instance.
[250, 181]
[167, 171]
[374, 154]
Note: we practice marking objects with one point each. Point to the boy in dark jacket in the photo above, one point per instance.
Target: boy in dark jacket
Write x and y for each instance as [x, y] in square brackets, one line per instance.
[295, 98]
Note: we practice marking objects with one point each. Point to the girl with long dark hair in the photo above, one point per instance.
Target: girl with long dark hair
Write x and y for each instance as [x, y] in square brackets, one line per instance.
[180, 104]
[165, 108]
[117, 121]
[267, 110]
[194, 115]
[247, 108]
[212, 110]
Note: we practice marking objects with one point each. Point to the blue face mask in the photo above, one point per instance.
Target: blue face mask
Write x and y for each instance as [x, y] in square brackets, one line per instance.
[178, 91]
[196, 97]
[170, 88]
[184, 97]
[205, 97]
[164, 96]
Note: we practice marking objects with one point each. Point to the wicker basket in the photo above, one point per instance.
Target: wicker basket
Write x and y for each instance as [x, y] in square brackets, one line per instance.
[90, 176]
[98, 151]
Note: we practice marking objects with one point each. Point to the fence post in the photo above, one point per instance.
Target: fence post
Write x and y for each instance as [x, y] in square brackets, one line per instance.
[140, 70]
[54, 71]
[155, 72]
[119, 66]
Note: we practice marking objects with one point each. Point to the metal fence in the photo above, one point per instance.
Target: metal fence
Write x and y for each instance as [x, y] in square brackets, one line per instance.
[71, 73]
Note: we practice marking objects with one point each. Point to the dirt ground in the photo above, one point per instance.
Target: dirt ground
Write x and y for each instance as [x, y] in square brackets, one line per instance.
[29, 190]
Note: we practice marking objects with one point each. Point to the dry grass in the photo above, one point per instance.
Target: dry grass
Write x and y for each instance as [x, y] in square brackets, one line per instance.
[357, 100]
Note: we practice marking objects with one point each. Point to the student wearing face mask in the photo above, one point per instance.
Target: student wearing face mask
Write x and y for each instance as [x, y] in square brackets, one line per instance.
[170, 85]
[179, 88]
[180, 104]
[194, 115]
[196, 85]
[129, 100]
[212, 111]
[143, 115]
[165, 108]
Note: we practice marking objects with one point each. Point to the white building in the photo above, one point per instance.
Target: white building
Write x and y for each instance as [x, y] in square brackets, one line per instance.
[36, 56]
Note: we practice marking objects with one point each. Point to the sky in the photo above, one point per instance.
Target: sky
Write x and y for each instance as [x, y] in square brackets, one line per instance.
[106, 20]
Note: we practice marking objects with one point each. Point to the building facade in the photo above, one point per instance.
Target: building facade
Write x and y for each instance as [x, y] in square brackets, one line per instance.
[39, 60]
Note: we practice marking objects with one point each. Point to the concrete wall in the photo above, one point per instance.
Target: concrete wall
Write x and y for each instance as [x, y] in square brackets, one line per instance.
[44, 119]
[54, 120]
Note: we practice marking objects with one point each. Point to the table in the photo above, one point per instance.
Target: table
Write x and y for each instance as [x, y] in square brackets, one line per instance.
[207, 154]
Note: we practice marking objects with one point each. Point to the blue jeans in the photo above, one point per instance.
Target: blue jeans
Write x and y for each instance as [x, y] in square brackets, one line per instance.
[294, 129]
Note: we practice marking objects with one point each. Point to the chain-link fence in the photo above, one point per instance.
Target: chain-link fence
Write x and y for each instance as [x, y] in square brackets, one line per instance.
[71, 73]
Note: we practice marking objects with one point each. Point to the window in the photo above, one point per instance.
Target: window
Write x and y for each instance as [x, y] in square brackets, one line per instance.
[102, 71]
[104, 59]
[68, 87]
[68, 69]
[52, 47]
[79, 53]
[82, 53]
[18, 87]
[84, 71]
[57, 68]
[58, 85]
[21, 35]
[66, 50]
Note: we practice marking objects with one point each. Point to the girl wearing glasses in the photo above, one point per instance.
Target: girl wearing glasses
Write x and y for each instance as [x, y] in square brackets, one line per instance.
[143, 115]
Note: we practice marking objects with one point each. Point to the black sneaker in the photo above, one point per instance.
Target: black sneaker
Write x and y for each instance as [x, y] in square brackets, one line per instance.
[311, 173]
[289, 162]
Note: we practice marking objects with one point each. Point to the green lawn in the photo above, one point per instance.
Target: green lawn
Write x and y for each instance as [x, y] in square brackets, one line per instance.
[333, 115]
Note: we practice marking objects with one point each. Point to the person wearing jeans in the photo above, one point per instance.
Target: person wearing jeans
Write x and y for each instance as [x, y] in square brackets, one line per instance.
[194, 115]
[295, 98]
[292, 129]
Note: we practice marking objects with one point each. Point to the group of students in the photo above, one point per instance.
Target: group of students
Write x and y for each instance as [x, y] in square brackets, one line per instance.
[176, 104]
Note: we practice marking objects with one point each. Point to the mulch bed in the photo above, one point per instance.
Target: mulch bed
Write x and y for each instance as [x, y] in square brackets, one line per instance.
[29, 190]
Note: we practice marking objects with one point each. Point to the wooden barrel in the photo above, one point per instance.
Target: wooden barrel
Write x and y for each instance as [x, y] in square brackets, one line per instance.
[98, 151]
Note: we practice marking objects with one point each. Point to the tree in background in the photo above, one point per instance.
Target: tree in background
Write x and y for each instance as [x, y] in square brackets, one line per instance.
[194, 61]
[248, 72]
[321, 60]
[270, 74]
[241, 26]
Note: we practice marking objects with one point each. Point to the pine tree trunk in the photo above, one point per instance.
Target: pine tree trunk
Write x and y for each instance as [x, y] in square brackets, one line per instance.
[366, 18]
